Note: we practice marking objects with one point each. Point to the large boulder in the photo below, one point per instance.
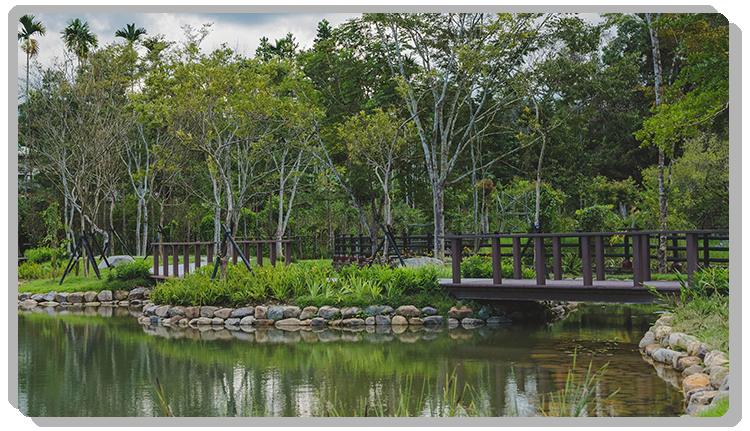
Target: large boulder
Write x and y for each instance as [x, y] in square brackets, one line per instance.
[275, 312]
[408, 311]
[460, 313]
[308, 312]
[116, 260]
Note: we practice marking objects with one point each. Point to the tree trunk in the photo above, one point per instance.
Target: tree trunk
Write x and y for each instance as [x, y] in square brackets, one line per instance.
[438, 207]
[663, 195]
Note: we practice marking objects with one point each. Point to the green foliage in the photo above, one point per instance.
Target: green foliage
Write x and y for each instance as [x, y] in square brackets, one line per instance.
[478, 266]
[45, 254]
[598, 218]
[571, 263]
[30, 271]
[128, 275]
[573, 399]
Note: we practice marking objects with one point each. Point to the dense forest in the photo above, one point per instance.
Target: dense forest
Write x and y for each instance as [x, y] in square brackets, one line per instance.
[427, 123]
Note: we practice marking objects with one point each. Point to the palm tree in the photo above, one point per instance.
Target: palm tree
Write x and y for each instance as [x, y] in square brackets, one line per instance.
[29, 45]
[79, 39]
[130, 33]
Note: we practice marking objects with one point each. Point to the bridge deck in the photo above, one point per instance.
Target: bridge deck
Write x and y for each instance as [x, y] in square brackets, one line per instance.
[622, 291]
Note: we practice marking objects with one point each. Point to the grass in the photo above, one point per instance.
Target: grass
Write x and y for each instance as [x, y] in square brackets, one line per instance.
[715, 411]
[72, 283]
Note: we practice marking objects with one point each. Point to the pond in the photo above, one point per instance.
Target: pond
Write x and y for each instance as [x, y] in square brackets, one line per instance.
[102, 363]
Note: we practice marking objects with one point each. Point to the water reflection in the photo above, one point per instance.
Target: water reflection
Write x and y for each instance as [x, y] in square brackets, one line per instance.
[88, 361]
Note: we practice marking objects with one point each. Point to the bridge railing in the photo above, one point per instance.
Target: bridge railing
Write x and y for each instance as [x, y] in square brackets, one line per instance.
[163, 250]
[637, 250]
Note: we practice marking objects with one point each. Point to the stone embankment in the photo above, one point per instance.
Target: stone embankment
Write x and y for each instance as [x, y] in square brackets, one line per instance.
[287, 316]
[699, 370]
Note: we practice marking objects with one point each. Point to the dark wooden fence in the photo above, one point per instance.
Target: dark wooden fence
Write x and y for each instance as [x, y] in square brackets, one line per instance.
[163, 250]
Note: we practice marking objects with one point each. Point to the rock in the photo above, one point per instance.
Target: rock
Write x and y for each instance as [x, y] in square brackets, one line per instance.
[382, 320]
[352, 322]
[328, 312]
[453, 322]
[408, 311]
[429, 311]
[218, 321]
[247, 320]
[223, 313]
[679, 341]
[149, 309]
[649, 350]
[661, 331]
[39, 297]
[242, 312]
[192, 312]
[334, 323]
[135, 294]
[24, 296]
[261, 312]
[385, 309]
[418, 262]
[371, 310]
[89, 296]
[28, 303]
[264, 322]
[399, 320]
[62, 297]
[676, 359]
[75, 298]
[120, 295]
[687, 362]
[716, 358]
[717, 376]
[695, 381]
[433, 320]
[162, 311]
[703, 398]
[349, 312]
[460, 313]
[202, 320]
[49, 296]
[308, 312]
[104, 296]
[663, 355]
[692, 369]
[318, 321]
[115, 260]
[275, 312]
[703, 350]
[648, 338]
[292, 321]
[470, 321]
[485, 312]
[664, 320]
[370, 321]
[416, 321]
[178, 310]
[291, 312]
[208, 311]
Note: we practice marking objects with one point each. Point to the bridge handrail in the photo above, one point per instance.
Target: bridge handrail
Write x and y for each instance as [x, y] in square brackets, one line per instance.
[640, 263]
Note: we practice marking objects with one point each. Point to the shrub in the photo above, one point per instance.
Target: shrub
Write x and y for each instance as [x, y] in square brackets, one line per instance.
[45, 254]
[598, 218]
[128, 275]
[30, 271]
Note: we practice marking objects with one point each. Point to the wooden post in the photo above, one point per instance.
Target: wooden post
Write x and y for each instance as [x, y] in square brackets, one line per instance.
[175, 261]
[259, 253]
[599, 259]
[691, 246]
[210, 253]
[517, 264]
[557, 257]
[273, 253]
[186, 258]
[586, 258]
[197, 255]
[156, 250]
[165, 264]
[456, 259]
[287, 254]
[706, 251]
[539, 266]
[497, 268]
[637, 261]
[646, 250]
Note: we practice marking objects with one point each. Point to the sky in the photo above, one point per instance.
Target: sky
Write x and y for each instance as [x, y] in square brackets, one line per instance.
[240, 31]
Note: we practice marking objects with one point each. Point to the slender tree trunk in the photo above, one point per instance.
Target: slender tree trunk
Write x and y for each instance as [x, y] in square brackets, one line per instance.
[539, 182]
[139, 213]
[438, 207]
[663, 194]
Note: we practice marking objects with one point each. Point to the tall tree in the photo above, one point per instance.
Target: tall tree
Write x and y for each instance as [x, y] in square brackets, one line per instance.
[29, 30]
[79, 39]
[130, 33]
[466, 61]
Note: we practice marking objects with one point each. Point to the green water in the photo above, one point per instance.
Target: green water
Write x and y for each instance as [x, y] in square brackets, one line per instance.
[106, 364]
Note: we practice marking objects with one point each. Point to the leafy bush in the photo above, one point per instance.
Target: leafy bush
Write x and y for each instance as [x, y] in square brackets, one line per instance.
[30, 271]
[45, 254]
[481, 267]
[128, 275]
[598, 218]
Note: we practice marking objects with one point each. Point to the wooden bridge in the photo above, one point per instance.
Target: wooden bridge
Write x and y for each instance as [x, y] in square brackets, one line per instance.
[592, 285]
